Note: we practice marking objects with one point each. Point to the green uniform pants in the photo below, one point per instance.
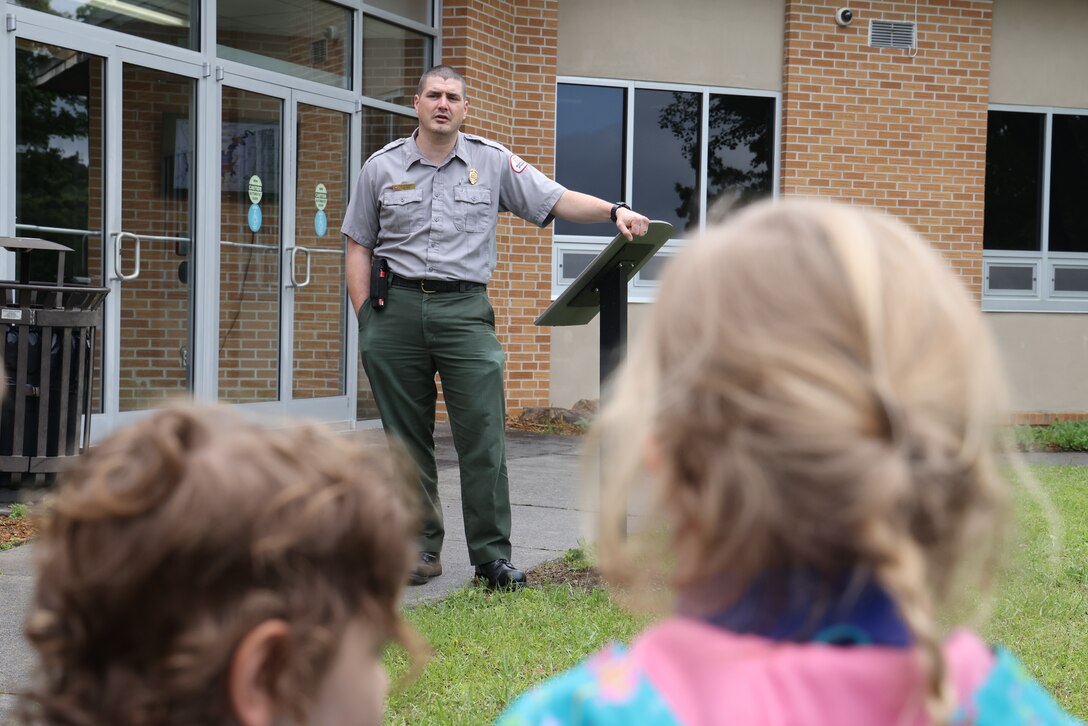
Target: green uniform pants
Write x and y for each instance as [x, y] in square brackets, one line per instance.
[452, 334]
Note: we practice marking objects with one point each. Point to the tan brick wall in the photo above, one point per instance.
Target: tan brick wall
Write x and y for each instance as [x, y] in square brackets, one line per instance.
[507, 52]
[880, 127]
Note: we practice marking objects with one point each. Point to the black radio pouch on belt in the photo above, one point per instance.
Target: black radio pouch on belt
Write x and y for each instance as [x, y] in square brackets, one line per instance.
[379, 283]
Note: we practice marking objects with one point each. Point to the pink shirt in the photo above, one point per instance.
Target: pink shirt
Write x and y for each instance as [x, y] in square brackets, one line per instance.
[708, 675]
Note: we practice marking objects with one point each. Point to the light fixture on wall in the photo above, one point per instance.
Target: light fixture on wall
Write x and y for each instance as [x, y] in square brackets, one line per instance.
[138, 12]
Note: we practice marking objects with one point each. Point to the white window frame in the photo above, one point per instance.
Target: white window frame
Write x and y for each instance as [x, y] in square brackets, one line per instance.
[1044, 298]
[639, 290]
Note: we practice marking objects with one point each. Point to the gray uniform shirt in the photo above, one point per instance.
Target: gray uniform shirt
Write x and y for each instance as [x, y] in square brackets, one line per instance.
[438, 222]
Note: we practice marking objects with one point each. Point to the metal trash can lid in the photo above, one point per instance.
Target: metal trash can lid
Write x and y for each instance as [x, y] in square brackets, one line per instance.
[31, 243]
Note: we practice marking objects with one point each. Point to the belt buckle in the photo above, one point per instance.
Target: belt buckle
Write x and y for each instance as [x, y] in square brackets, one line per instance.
[423, 287]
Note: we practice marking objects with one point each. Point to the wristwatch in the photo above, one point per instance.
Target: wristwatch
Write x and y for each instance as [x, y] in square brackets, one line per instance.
[616, 208]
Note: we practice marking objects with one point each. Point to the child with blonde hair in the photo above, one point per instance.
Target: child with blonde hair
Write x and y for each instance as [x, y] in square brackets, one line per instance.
[196, 568]
[814, 406]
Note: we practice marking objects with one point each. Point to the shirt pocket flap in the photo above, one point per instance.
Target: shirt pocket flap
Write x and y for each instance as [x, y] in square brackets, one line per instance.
[394, 198]
[472, 195]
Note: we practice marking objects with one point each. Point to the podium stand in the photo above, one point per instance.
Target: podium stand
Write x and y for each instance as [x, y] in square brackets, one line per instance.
[602, 286]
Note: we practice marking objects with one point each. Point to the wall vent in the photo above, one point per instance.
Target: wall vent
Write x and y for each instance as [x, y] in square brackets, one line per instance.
[889, 34]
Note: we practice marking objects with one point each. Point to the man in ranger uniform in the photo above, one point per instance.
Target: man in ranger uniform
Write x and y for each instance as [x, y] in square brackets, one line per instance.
[421, 228]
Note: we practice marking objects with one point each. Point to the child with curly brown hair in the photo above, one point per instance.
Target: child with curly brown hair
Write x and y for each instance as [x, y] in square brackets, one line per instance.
[196, 568]
[812, 413]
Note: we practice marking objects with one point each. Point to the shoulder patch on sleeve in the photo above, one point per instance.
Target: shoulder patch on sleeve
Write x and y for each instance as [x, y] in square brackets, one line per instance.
[517, 163]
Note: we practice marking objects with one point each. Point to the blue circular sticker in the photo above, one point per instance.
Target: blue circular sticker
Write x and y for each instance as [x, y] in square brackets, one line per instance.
[254, 218]
[321, 223]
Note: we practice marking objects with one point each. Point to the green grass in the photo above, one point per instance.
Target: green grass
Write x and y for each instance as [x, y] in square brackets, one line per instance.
[1041, 607]
[18, 511]
[1060, 435]
[489, 648]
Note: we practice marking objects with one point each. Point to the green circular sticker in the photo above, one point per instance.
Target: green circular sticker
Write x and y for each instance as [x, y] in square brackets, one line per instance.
[321, 197]
[256, 189]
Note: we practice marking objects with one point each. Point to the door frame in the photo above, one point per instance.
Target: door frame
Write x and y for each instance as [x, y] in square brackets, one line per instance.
[119, 49]
[338, 410]
[112, 417]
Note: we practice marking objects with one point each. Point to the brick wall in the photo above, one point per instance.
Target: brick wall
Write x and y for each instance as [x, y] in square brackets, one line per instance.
[507, 52]
[905, 134]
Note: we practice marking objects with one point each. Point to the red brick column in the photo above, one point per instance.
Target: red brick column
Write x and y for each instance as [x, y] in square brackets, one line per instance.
[880, 127]
[507, 53]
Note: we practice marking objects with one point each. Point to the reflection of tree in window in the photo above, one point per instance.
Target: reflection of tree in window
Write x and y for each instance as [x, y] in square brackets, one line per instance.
[52, 86]
[1014, 145]
[740, 151]
[666, 156]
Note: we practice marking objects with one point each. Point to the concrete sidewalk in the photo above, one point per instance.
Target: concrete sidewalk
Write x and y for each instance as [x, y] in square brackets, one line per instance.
[545, 496]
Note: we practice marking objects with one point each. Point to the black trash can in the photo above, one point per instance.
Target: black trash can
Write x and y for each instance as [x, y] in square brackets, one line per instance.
[49, 339]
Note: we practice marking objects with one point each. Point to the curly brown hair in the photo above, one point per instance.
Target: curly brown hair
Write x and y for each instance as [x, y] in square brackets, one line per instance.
[173, 538]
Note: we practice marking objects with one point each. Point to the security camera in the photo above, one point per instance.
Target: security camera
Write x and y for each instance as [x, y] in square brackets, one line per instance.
[843, 16]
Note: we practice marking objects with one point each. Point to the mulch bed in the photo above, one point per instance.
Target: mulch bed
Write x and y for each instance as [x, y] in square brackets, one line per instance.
[15, 531]
[558, 572]
[559, 428]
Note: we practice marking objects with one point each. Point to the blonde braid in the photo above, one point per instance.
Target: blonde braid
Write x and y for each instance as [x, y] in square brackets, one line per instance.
[901, 568]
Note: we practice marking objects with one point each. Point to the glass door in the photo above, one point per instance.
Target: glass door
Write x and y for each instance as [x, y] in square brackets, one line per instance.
[154, 242]
[250, 246]
[106, 164]
[60, 161]
[322, 183]
[285, 177]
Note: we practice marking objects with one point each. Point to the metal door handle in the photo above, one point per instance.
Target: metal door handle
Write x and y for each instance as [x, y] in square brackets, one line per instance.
[294, 279]
[117, 274]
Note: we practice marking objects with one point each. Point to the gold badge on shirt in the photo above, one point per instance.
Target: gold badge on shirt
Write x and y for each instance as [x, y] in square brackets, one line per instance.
[403, 187]
[473, 176]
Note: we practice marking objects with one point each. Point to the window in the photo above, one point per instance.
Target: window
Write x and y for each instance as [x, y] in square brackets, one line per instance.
[398, 46]
[589, 147]
[381, 127]
[1035, 228]
[175, 22]
[393, 60]
[686, 155]
[309, 39]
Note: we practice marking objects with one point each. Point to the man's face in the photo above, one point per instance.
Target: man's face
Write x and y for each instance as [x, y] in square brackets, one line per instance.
[441, 107]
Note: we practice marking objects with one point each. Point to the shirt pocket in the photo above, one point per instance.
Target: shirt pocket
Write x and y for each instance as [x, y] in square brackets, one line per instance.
[402, 210]
[473, 208]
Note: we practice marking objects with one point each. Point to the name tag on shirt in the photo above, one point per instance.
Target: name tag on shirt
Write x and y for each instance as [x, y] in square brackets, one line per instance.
[402, 187]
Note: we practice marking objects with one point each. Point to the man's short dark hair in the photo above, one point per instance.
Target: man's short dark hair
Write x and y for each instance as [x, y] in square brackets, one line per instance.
[444, 72]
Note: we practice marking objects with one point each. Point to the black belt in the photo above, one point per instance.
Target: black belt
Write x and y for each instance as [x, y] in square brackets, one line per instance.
[430, 286]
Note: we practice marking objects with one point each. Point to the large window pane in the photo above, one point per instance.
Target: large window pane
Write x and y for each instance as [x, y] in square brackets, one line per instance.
[157, 138]
[381, 127]
[249, 248]
[393, 60]
[176, 22]
[741, 153]
[417, 10]
[589, 143]
[308, 39]
[666, 157]
[60, 163]
[321, 193]
[1014, 158]
[1068, 188]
